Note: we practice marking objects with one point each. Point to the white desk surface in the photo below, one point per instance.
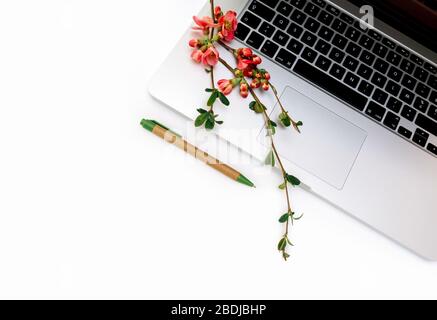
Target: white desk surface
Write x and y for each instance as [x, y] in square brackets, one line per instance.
[92, 206]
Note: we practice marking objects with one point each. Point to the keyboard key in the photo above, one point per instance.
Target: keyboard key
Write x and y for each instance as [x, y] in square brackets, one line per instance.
[351, 63]
[417, 60]
[298, 16]
[421, 75]
[261, 10]
[271, 3]
[286, 58]
[379, 80]
[380, 96]
[433, 112]
[281, 38]
[326, 18]
[405, 132]
[427, 124]
[433, 97]
[407, 96]
[339, 41]
[337, 55]
[323, 63]
[339, 26]
[407, 66]
[255, 40]
[295, 46]
[432, 148]
[320, 3]
[394, 105]
[420, 139]
[430, 68]
[393, 88]
[298, 3]
[285, 9]
[367, 57]
[326, 33]
[365, 72]
[331, 85]
[281, 22]
[295, 31]
[309, 55]
[421, 104]
[395, 74]
[392, 121]
[423, 90]
[375, 111]
[403, 51]
[312, 10]
[323, 47]
[381, 66]
[409, 82]
[333, 10]
[408, 113]
[309, 38]
[270, 48]
[337, 71]
[380, 50]
[353, 34]
[389, 43]
[366, 42]
[366, 88]
[242, 32]
[433, 82]
[251, 20]
[267, 29]
[347, 18]
[394, 58]
[353, 49]
[312, 25]
[352, 80]
[375, 35]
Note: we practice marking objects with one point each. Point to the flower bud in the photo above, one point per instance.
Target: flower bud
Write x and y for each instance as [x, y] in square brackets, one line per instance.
[193, 43]
[257, 60]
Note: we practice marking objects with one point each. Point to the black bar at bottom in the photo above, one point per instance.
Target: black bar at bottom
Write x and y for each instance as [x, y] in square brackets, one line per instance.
[331, 85]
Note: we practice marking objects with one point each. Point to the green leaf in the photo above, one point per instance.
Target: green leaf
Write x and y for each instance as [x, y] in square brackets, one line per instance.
[299, 124]
[270, 160]
[224, 100]
[286, 256]
[254, 106]
[200, 120]
[213, 98]
[271, 128]
[282, 244]
[210, 124]
[284, 218]
[290, 243]
[202, 111]
[298, 218]
[219, 122]
[209, 90]
[293, 180]
[284, 118]
[282, 186]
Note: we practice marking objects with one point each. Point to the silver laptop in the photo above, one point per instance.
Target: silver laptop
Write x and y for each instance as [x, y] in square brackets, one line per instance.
[366, 91]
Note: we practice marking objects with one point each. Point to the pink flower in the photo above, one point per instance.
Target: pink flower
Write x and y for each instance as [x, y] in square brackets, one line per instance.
[229, 25]
[225, 86]
[218, 12]
[197, 56]
[210, 57]
[203, 24]
[193, 43]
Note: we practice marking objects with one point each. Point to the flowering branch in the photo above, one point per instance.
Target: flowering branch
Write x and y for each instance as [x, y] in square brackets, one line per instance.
[249, 77]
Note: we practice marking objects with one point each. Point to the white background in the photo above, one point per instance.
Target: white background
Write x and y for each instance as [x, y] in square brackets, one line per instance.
[92, 206]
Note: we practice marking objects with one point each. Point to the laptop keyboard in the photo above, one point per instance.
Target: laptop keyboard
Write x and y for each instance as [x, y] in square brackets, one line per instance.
[327, 47]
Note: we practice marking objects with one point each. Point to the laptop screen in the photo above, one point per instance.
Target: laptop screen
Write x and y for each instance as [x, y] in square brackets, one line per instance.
[415, 18]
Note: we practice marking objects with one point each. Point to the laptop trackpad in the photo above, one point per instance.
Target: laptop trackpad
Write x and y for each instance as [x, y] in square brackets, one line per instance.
[328, 145]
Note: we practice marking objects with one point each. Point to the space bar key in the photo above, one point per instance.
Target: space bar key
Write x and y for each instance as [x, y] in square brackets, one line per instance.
[331, 85]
